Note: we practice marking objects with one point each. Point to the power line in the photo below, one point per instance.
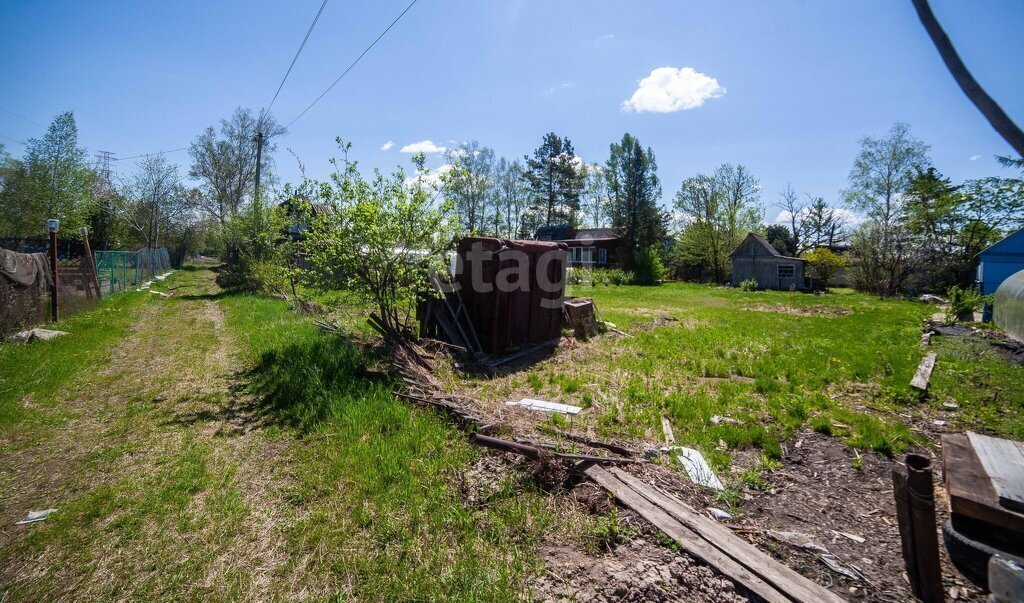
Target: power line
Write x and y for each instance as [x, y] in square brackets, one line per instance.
[15, 140]
[297, 53]
[35, 123]
[148, 154]
[358, 58]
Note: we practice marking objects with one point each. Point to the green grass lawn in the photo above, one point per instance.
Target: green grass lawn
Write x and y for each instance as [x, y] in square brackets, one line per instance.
[223, 448]
[769, 363]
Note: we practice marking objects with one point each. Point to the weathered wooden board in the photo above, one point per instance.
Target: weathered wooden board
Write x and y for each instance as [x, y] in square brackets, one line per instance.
[1004, 463]
[924, 373]
[666, 428]
[971, 493]
[770, 570]
[690, 541]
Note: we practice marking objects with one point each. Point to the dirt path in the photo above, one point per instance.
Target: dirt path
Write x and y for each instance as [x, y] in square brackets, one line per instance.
[166, 415]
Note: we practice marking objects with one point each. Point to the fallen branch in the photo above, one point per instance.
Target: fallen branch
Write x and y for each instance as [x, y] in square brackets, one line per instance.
[538, 453]
[595, 443]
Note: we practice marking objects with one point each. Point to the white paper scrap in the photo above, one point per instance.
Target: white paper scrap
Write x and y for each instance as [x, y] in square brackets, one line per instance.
[544, 405]
[698, 469]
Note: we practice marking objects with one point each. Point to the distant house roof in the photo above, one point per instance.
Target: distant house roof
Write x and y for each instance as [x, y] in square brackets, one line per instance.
[604, 232]
[555, 232]
[318, 208]
[755, 244]
[1011, 244]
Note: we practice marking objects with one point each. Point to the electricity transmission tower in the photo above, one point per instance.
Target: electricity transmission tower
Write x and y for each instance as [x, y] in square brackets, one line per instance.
[104, 184]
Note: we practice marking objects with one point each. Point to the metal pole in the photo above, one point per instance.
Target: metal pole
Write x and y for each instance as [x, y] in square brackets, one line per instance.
[915, 512]
[54, 315]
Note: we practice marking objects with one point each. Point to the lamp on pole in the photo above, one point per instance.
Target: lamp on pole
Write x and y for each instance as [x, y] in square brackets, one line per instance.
[53, 226]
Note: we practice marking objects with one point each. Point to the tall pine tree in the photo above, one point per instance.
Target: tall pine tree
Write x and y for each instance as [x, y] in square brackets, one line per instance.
[556, 180]
[633, 191]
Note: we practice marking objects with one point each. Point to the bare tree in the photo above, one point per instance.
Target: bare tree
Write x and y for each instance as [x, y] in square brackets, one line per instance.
[151, 199]
[511, 198]
[468, 184]
[224, 161]
[595, 197]
[789, 202]
[741, 201]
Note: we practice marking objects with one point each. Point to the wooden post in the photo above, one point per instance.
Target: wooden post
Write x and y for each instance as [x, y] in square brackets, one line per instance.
[54, 314]
[89, 263]
[915, 512]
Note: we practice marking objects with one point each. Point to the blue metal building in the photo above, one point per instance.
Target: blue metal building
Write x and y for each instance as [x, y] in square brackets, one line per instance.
[999, 261]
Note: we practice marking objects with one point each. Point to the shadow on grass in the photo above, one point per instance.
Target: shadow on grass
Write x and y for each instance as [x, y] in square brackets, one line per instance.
[299, 385]
[219, 294]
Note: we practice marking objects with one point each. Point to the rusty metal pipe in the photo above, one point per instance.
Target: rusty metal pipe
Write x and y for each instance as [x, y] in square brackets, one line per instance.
[507, 446]
[915, 511]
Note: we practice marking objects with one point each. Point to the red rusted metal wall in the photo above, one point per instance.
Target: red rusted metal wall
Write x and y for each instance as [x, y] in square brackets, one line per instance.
[510, 317]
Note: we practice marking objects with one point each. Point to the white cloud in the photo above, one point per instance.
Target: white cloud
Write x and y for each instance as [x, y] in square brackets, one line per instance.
[562, 86]
[423, 146]
[429, 179]
[604, 39]
[388, 145]
[975, 157]
[668, 89]
[848, 217]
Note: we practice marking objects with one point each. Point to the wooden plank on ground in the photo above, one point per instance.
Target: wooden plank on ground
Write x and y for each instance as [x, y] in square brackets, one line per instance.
[1004, 464]
[971, 493]
[924, 373]
[774, 572]
[666, 428]
[690, 541]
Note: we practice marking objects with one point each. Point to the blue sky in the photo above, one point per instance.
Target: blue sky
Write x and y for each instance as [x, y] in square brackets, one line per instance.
[796, 83]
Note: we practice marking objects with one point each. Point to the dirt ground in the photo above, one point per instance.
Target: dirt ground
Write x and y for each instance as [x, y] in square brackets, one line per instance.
[817, 493]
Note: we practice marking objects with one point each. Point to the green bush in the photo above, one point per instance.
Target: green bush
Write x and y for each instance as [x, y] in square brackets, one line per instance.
[962, 302]
[586, 276]
[749, 285]
[648, 267]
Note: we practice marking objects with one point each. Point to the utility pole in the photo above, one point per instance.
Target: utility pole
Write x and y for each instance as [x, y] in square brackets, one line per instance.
[259, 163]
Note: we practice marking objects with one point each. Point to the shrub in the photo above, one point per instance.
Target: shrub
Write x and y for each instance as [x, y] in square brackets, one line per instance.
[618, 276]
[586, 276]
[648, 267]
[823, 264]
[962, 302]
[749, 285]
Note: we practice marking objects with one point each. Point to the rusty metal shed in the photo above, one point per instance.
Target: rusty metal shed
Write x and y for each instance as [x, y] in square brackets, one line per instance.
[517, 300]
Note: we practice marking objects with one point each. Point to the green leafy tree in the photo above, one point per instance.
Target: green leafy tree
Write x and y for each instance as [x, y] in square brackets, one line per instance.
[383, 239]
[469, 184]
[631, 174]
[52, 181]
[781, 239]
[648, 269]
[882, 173]
[556, 180]
[511, 199]
[824, 264]
[950, 224]
[716, 213]
[224, 163]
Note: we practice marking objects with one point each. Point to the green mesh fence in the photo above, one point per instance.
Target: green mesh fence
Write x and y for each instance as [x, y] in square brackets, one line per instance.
[119, 270]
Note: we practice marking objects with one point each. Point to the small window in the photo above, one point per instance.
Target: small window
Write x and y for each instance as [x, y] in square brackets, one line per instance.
[602, 256]
[787, 270]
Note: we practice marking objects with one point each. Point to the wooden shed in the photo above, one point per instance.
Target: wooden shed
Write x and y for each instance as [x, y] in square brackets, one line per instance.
[755, 258]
